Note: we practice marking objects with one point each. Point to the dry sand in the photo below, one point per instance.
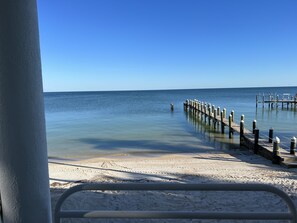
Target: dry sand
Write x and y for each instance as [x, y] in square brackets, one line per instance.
[236, 166]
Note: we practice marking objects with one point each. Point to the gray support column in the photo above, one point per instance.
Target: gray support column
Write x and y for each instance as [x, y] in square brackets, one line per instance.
[24, 180]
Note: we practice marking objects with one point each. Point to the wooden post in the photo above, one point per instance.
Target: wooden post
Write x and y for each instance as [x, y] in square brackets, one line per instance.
[230, 126]
[256, 141]
[275, 153]
[256, 101]
[215, 118]
[232, 113]
[242, 118]
[270, 135]
[241, 139]
[224, 113]
[218, 114]
[205, 113]
[254, 126]
[293, 146]
[222, 123]
[209, 115]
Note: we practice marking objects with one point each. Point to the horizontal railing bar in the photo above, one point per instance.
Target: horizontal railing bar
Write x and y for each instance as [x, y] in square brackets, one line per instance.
[176, 215]
[185, 187]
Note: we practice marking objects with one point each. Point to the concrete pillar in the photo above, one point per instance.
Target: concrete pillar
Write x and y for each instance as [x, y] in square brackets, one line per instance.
[24, 180]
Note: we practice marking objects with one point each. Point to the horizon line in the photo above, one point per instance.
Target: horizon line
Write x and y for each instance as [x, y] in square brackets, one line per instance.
[171, 89]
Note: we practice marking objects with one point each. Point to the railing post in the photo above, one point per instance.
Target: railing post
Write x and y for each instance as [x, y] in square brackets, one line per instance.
[293, 146]
[256, 141]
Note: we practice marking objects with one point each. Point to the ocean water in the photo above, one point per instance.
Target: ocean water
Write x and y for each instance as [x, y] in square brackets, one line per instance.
[92, 124]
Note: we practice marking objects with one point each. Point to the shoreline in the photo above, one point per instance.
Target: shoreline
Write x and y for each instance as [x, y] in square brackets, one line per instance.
[216, 163]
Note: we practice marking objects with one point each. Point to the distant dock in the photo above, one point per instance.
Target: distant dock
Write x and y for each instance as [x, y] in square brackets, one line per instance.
[268, 147]
[274, 100]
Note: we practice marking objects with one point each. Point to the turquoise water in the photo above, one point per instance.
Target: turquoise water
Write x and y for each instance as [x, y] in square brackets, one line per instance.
[90, 124]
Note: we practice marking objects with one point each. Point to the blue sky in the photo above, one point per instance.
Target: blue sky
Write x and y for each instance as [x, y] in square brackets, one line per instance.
[99, 45]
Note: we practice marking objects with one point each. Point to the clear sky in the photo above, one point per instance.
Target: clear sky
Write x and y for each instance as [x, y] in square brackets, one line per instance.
[99, 45]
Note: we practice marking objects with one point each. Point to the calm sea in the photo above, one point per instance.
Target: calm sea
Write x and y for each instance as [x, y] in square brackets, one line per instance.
[91, 124]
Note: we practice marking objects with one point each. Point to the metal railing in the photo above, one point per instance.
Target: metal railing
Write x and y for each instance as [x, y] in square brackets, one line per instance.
[291, 215]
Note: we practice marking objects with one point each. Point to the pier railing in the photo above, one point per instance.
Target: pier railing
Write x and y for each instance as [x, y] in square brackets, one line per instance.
[274, 100]
[291, 215]
[267, 146]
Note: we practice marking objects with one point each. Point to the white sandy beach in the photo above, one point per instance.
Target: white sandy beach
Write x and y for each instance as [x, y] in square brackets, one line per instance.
[236, 166]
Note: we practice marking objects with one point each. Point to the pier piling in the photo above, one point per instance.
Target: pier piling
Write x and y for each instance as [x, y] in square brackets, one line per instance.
[275, 153]
[224, 113]
[256, 141]
[230, 126]
[222, 123]
[241, 139]
[215, 118]
[293, 146]
[270, 135]
[232, 113]
[242, 118]
[254, 126]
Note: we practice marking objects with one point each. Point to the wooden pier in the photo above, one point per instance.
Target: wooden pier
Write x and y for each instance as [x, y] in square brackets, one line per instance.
[267, 148]
[286, 100]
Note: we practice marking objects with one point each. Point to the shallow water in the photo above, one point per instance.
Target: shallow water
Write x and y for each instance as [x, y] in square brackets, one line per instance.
[89, 124]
